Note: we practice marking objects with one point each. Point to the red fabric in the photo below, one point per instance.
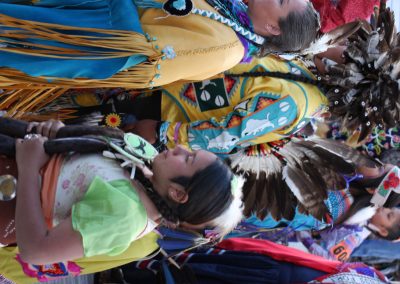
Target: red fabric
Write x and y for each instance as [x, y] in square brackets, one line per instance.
[345, 12]
[281, 253]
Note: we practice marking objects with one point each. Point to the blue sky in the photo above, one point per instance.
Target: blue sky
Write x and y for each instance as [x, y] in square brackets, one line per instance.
[395, 5]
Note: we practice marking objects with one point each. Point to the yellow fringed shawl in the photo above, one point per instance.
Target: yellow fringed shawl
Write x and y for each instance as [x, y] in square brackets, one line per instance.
[203, 48]
[24, 93]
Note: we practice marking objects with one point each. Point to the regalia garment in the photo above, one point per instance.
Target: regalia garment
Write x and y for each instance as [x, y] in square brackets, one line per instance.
[379, 142]
[338, 202]
[223, 114]
[247, 110]
[114, 44]
[336, 243]
[246, 260]
[355, 100]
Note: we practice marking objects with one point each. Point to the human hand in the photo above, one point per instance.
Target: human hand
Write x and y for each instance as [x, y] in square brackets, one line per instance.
[335, 54]
[47, 128]
[30, 154]
[302, 235]
[145, 128]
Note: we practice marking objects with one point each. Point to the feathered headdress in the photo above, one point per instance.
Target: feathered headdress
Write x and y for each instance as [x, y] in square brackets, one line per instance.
[365, 89]
[296, 173]
[232, 215]
[363, 92]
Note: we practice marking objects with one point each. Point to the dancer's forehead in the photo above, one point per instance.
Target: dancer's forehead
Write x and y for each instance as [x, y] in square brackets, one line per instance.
[181, 162]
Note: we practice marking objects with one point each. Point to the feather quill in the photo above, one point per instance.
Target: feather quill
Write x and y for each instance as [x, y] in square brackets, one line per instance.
[362, 216]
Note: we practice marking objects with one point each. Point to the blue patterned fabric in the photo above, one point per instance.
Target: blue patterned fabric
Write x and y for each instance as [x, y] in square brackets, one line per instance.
[338, 203]
[236, 10]
[300, 221]
[100, 14]
[221, 137]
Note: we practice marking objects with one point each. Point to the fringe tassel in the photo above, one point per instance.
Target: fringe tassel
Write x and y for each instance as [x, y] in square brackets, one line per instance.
[23, 103]
[136, 77]
[25, 95]
[112, 43]
[44, 117]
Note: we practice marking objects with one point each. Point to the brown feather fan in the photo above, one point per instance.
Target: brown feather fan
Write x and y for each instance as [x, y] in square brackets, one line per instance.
[332, 38]
[303, 189]
[294, 173]
[365, 89]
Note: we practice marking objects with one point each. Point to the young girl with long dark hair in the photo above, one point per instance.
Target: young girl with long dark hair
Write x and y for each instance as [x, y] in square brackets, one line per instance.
[82, 206]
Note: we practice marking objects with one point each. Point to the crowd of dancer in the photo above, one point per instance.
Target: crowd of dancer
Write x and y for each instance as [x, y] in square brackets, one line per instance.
[199, 141]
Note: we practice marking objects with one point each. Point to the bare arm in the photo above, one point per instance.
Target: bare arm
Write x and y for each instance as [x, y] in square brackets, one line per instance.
[145, 128]
[37, 243]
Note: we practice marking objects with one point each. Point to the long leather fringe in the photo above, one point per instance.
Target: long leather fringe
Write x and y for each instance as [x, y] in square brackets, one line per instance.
[112, 43]
[24, 103]
[30, 93]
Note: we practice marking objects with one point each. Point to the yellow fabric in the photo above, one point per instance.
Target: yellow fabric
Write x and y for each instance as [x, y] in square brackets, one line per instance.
[203, 47]
[124, 44]
[309, 99]
[11, 268]
[195, 39]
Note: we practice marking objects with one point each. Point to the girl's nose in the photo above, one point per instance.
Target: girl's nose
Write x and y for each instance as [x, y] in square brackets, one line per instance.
[179, 150]
[382, 210]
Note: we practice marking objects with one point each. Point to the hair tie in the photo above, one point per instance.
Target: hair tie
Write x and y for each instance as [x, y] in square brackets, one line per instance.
[372, 227]
[176, 132]
[349, 179]
[235, 188]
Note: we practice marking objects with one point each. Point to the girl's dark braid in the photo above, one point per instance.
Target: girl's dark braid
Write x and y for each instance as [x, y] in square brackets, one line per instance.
[288, 76]
[166, 212]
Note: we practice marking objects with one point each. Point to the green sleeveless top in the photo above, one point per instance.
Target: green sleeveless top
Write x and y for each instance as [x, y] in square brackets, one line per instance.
[109, 217]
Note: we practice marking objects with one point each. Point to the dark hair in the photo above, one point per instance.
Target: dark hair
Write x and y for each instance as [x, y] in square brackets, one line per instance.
[209, 192]
[298, 30]
[281, 75]
[393, 232]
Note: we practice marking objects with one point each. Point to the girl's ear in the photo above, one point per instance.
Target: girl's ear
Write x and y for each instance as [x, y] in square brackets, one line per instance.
[383, 231]
[379, 229]
[177, 193]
